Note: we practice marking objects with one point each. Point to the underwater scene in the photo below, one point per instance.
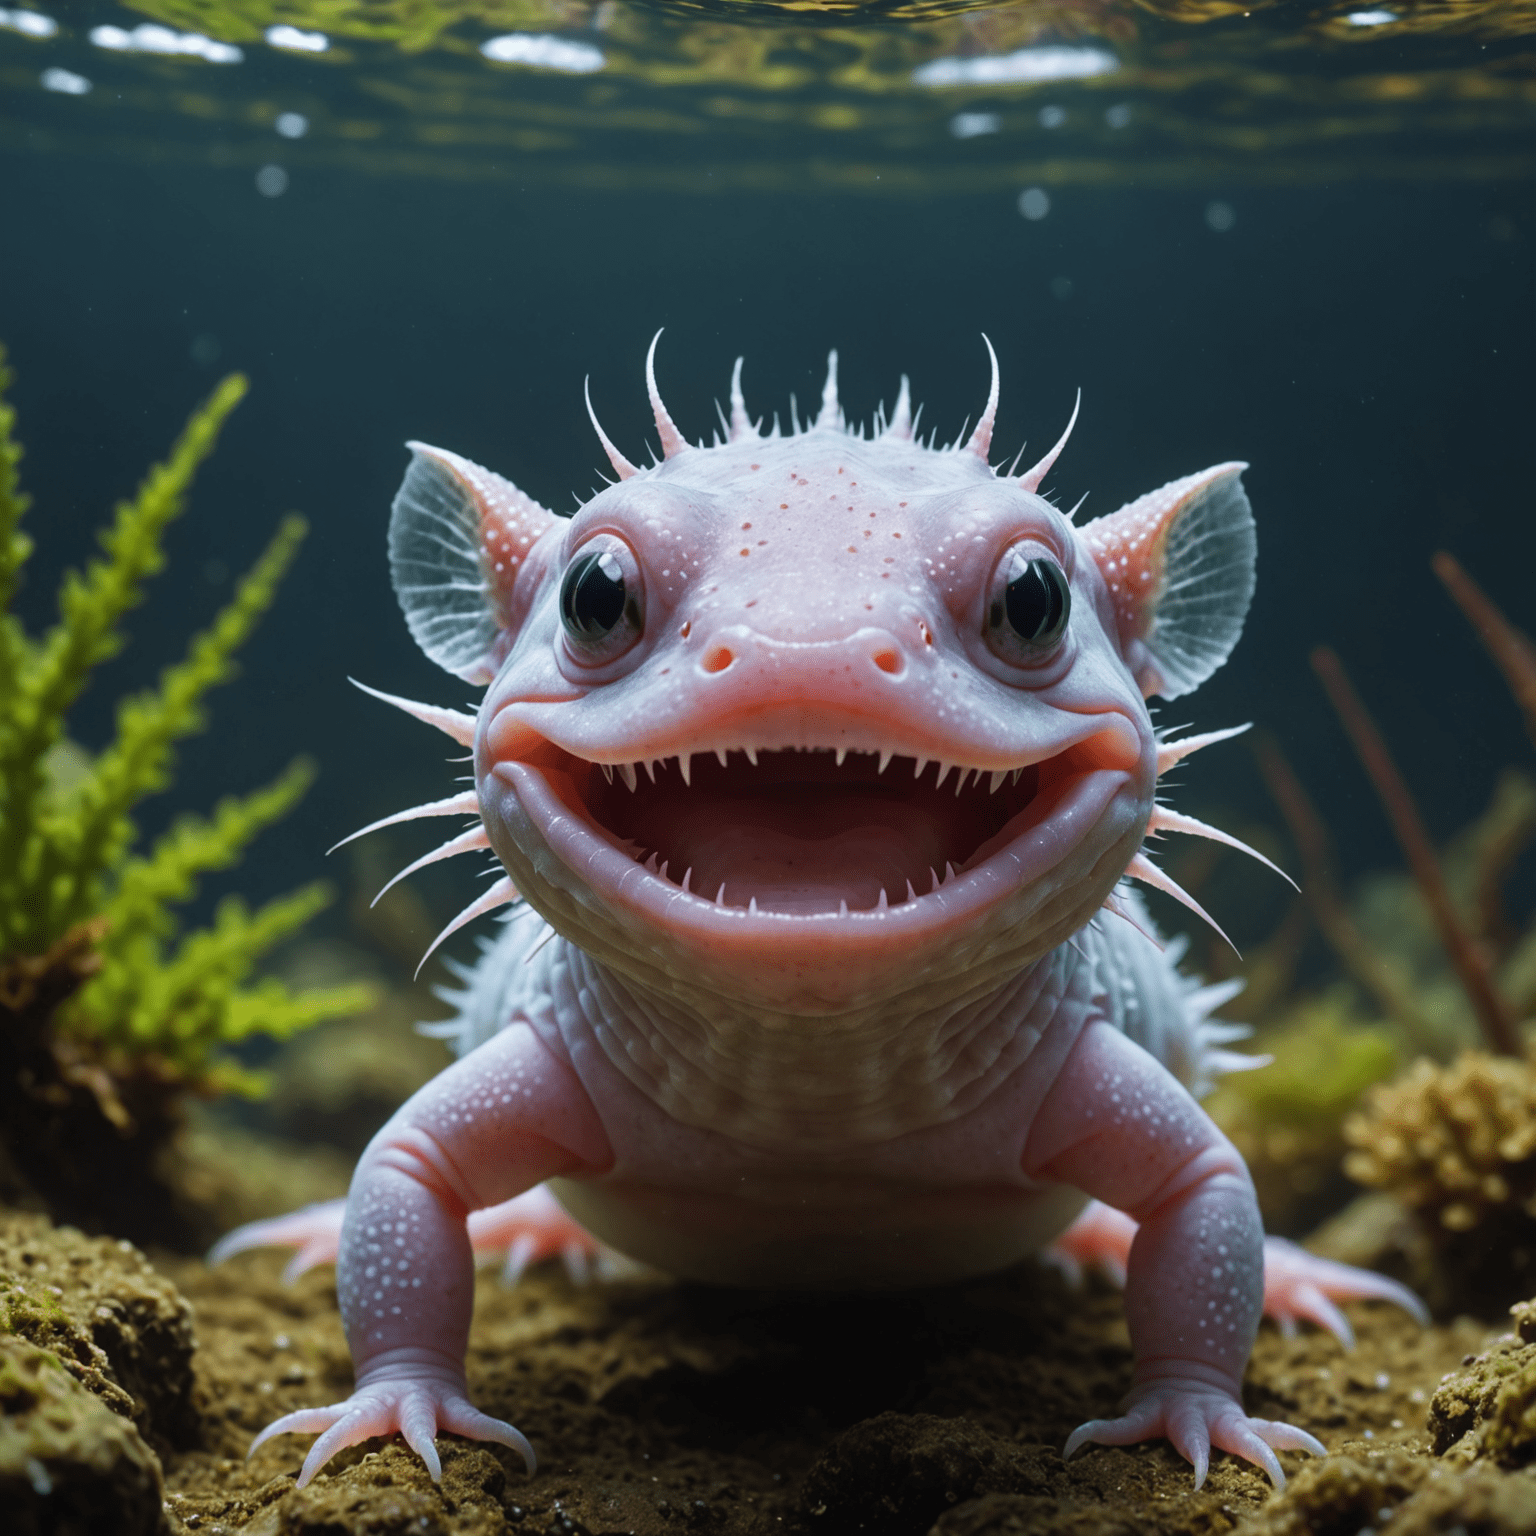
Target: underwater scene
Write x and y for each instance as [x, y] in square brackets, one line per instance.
[925, 611]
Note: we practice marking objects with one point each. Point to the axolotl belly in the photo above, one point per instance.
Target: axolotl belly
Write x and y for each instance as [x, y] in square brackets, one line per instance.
[816, 764]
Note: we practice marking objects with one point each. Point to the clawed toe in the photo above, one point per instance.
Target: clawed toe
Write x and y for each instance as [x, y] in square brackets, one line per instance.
[466, 1420]
[314, 1232]
[1298, 1284]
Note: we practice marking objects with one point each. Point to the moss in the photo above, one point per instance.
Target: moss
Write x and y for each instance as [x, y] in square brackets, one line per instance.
[67, 1463]
[109, 1012]
[120, 1329]
[1406, 1495]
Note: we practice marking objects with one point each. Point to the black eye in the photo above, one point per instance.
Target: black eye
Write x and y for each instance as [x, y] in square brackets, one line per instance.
[592, 595]
[601, 602]
[1028, 605]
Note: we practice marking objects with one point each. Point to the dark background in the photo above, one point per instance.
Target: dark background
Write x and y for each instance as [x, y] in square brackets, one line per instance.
[1367, 347]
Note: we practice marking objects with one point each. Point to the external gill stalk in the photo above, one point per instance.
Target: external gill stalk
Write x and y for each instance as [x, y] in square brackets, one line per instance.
[1163, 819]
[462, 728]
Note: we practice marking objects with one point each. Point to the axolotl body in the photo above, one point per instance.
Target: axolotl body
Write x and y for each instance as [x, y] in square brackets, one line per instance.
[816, 764]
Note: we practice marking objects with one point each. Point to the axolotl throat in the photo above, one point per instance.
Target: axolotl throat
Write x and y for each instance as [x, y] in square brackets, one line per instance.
[816, 765]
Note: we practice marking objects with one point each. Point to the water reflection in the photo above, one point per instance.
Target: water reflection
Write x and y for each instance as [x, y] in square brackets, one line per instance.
[887, 96]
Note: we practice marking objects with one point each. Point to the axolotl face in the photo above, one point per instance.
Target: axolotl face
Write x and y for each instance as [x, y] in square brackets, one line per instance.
[814, 723]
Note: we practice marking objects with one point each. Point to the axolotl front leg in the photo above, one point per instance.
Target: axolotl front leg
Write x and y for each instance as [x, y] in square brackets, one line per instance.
[1117, 1125]
[506, 1117]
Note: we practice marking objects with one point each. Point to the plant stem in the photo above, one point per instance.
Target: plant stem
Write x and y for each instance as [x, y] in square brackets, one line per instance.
[1499, 1028]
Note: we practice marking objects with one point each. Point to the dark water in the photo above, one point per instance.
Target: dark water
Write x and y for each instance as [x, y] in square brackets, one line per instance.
[1362, 333]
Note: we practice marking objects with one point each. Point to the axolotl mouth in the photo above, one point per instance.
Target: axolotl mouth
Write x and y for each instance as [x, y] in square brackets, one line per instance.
[789, 836]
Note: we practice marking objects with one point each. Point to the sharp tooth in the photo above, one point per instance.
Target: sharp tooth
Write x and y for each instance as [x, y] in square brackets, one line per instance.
[842, 752]
[965, 773]
[607, 771]
[627, 773]
[683, 762]
[885, 758]
[997, 780]
[650, 769]
[943, 774]
[884, 903]
[949, 871]
[1016, 773]
[650, 863]
[911, 894]
[663, 870]
[720, 753]
[933, 875]
[720, 895]
[922, 763]
[752, 905]
[842, 909]
[687, 878]
[751, 755]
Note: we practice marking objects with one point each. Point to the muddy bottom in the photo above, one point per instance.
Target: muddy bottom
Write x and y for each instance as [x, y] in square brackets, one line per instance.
[131, 1390]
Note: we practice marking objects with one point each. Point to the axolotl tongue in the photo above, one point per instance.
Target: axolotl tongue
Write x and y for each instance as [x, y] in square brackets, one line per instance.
[804, 721]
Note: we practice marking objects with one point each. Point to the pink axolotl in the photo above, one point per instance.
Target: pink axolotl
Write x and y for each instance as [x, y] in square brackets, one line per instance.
[817, 762]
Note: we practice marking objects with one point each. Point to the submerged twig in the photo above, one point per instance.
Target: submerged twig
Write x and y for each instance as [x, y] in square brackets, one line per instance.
[1498, 1026]
[1512, 652]
[1322, 892]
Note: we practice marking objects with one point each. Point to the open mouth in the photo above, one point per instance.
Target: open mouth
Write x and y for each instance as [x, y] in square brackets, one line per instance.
[817, 833]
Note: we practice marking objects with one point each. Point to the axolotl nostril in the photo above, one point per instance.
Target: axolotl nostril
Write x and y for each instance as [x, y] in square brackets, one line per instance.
[817, 763]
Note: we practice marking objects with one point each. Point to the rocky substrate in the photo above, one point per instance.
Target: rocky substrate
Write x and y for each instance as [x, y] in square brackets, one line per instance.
[130, 1390]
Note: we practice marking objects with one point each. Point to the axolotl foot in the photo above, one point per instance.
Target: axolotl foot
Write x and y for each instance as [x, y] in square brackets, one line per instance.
[415, 1398]
[518, 1232]
[1297, 1284]
[1195, 1416]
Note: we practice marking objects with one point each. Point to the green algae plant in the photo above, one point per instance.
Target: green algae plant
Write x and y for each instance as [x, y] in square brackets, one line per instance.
[109, 1014]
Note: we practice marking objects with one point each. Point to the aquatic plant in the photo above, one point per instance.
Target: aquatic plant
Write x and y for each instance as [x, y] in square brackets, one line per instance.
[1471, 963]
[1462, 896]
[108, 1013]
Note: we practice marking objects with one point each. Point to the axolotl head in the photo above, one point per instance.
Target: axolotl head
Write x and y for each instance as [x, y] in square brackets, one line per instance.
[808, 722]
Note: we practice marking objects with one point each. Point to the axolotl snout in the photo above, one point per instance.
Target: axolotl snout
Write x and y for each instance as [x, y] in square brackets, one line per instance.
[816, 764]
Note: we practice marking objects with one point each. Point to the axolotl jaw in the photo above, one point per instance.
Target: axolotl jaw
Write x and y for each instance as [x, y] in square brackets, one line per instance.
[803, 769]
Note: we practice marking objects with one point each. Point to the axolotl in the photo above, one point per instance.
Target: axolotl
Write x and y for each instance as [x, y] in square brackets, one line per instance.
[817, 763]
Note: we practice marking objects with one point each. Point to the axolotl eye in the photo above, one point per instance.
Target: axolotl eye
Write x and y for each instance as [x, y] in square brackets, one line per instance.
[1028, 605]
[602, 599]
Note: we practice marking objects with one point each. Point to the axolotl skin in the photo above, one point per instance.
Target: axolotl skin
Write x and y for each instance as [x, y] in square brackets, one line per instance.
[816, 763]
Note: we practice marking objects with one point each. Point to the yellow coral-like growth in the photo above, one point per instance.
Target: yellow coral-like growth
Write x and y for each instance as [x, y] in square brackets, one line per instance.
[66, 853]
[1457, 1143]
